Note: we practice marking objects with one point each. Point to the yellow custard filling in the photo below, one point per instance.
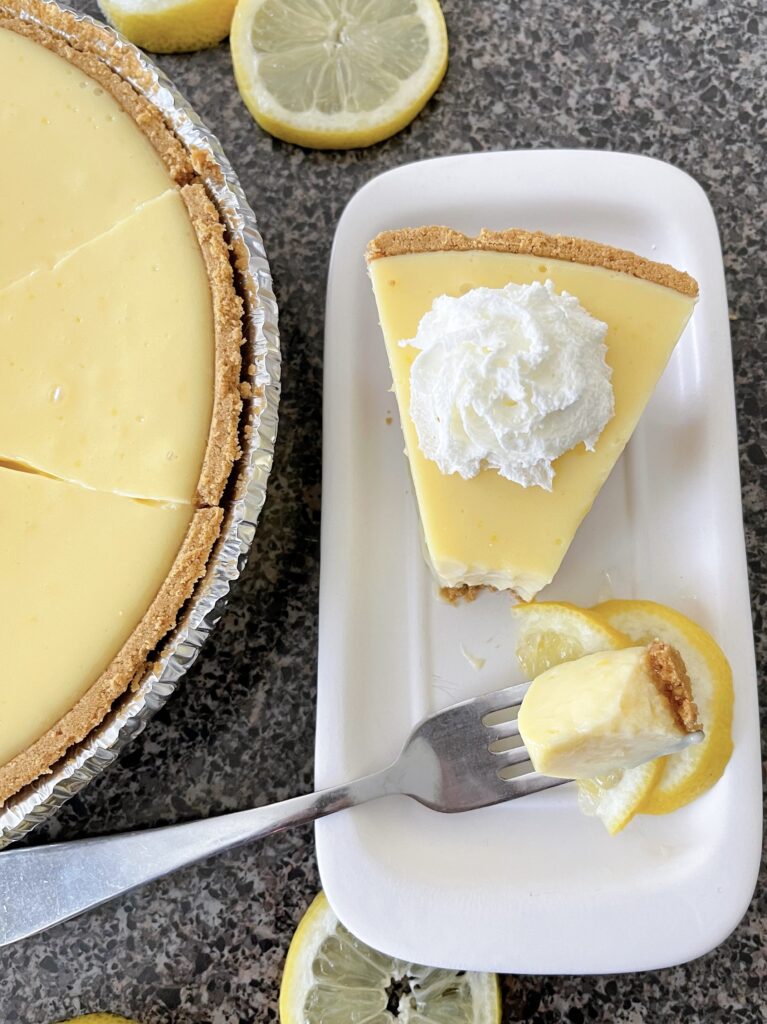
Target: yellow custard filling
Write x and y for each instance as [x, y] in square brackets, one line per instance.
[80, 569]
[74, 163]
[107, 360]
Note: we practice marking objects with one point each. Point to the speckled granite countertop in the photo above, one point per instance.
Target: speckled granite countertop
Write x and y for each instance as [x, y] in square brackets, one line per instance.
[681, 80]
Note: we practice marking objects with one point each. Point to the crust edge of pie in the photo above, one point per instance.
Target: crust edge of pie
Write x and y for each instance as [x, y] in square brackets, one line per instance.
[222, 448]
[437, 238]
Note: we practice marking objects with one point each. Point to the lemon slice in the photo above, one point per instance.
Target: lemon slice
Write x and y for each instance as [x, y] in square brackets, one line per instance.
[552, 632]
[171, 26]
[338, 73]
[690, 773]
[616, 798]
[332, 978]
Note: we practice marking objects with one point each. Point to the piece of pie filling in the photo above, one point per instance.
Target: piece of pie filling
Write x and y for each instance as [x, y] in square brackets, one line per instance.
[596, 715]
[488, 530]
[76, 162]
[80, 569]
[107, 360]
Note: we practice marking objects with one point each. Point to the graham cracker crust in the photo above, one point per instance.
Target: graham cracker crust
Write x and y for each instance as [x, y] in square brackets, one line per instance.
[434, 238]
[463, 594]
[118, 71]
[223, 447]
[669, 674]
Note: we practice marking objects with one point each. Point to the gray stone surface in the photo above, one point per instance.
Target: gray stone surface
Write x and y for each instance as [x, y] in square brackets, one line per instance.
[675, 79]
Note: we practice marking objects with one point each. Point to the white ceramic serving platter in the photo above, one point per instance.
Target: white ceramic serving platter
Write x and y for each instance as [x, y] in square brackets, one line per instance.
[531, 886]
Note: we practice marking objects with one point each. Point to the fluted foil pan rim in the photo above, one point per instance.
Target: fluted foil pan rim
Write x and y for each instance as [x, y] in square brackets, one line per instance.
[247, 487]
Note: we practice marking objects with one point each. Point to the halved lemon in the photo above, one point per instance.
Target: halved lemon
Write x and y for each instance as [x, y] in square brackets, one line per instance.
[332, 978]
[171, 26]
[337, 74]
[552, 632]
[690, 773]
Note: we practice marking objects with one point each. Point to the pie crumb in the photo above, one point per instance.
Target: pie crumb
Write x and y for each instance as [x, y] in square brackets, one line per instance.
[669, 673]
[463, 593]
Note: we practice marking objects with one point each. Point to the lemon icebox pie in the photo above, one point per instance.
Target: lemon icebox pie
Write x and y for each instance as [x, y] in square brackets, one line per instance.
[521, 363]
[120, 334]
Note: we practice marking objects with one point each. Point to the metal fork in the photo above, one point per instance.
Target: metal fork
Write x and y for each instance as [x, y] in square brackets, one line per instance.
[455, 760]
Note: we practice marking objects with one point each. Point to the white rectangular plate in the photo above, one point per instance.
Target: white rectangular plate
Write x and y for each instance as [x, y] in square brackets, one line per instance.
[530, 886]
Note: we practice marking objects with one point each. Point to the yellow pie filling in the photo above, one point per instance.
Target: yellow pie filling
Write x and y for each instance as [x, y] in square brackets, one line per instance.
[64, 176]
[80, 568]
[113, 387]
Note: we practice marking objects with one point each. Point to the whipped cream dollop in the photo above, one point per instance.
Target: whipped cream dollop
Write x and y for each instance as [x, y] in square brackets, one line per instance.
[509, 378]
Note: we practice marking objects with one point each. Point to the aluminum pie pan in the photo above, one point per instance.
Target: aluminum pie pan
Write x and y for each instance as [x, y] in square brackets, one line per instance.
[246, 489]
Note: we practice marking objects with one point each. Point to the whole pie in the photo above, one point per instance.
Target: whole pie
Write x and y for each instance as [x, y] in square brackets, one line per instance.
[488, 530]
[120, 334]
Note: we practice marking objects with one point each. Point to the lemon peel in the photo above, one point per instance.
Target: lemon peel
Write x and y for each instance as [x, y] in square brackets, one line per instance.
[615, 800]
[99, 1018]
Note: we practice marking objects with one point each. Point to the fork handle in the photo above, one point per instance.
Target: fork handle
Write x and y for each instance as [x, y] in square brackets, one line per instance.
[33, 898]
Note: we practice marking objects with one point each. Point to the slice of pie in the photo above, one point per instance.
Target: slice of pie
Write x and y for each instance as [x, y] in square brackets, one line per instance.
[91, 582]
[488, 530]
[106, 391]
[120, 335]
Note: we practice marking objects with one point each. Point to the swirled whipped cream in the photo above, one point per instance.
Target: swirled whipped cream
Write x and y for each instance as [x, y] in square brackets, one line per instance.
[509, 378]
